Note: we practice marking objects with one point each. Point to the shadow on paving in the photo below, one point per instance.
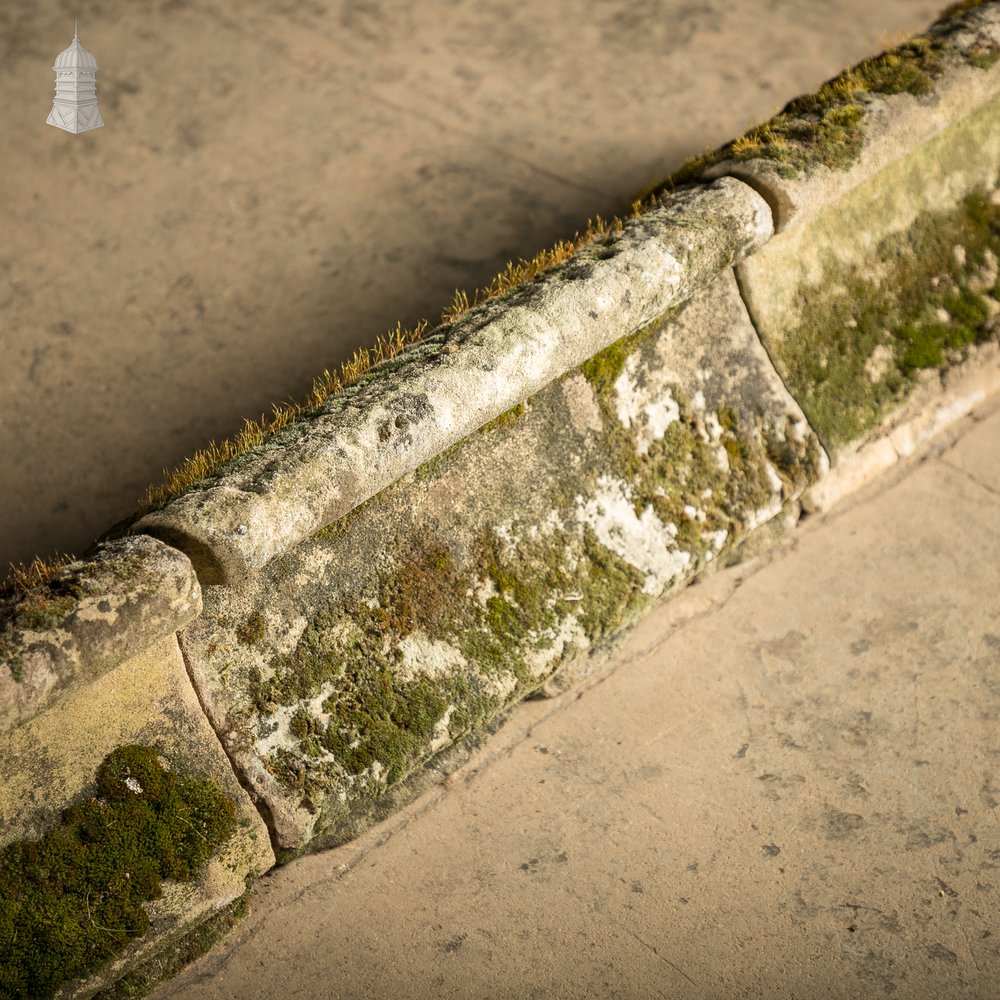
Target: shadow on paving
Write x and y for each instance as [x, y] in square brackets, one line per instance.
[277, 184]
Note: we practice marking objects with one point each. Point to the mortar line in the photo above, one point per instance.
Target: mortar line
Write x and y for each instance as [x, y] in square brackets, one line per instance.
[262, 809]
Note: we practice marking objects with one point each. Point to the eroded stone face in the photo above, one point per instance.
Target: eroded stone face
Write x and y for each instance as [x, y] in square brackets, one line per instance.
[92, 615]
[397, 630]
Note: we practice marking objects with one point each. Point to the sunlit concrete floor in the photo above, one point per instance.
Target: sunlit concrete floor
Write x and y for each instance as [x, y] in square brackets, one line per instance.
[786, 786]
[280, 182]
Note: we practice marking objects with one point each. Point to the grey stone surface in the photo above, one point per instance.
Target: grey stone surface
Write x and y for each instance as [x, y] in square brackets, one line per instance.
[50, 763]
[794, 795]
[91, 616]
[339, 668]
[462, 376]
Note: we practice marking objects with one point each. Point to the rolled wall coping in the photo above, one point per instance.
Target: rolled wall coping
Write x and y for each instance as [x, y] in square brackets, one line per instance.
[92, 615]
[462, 376]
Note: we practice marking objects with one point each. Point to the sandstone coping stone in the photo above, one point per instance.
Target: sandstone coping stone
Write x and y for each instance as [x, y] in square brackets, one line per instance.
[461, 376]
[966, 76]
[878, 290]
[336, 671]
[89, 617]
[50, 762]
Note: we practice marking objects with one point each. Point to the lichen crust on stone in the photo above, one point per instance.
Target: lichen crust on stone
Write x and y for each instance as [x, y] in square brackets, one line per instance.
[456, 379]
[425, 612]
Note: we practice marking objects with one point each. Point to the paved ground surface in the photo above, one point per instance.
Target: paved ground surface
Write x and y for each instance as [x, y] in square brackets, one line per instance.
[278, 182]
[787, 787]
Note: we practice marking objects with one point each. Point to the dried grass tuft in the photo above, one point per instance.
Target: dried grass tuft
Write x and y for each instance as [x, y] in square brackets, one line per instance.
[23, 577]
[254, 433]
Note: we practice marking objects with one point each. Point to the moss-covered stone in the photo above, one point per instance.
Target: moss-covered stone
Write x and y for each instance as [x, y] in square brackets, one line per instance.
[459, 590]
[605, 367]
[73, 900]
[252, 630]
[864, 331]
[828, 127]
[46, 604]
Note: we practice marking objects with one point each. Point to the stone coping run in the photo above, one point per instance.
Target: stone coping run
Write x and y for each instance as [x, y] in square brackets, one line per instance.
[276, 658]
[462, 376]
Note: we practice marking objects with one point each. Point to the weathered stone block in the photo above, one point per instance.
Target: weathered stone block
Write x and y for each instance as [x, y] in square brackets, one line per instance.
[458, 378]
[395, 631]
[50, 764]
[88, 618]
[883, 184]
[879, 290]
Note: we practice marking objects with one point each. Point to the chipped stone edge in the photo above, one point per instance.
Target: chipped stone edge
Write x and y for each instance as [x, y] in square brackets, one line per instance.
[462, 376]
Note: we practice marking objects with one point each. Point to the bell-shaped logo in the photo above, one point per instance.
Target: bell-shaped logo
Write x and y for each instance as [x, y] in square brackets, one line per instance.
[75, 106]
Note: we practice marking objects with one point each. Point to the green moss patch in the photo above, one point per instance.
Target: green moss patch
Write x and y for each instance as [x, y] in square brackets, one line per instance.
[376, 715]
[957, 9]
[604, 368]
[252, 630]
[72, 901]
[865, 332]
